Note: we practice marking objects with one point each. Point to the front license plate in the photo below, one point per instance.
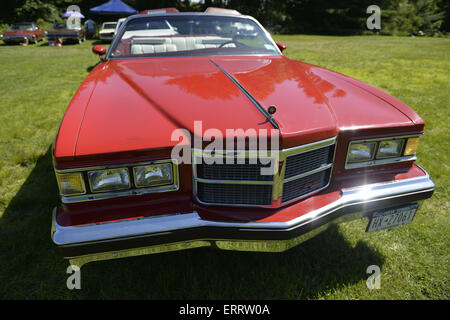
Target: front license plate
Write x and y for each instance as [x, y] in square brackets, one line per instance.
[391, 218]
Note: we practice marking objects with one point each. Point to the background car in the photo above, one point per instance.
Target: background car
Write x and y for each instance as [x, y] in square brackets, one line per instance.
[107, 31]
[19, 32]
[66, 32]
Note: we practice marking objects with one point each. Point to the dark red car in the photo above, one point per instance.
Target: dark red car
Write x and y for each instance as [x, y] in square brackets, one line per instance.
[67, 32]
[23, 31]
[196, 131]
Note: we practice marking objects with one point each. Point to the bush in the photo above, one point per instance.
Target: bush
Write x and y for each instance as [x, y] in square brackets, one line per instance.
[3, 27]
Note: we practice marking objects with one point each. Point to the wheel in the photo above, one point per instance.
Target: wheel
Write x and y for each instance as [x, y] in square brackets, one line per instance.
[35, 40]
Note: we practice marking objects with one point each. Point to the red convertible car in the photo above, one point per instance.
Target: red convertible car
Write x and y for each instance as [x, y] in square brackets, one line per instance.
[195, 130]
[23, 31]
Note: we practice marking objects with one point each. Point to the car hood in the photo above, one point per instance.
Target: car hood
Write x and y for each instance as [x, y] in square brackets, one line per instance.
[137, 104]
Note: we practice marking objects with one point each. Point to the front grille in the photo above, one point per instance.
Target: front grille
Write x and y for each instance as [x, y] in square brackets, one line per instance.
[235, 194]
[307, 169]
[248, 171]
[308, 161]
[298, 165]
[299, 187]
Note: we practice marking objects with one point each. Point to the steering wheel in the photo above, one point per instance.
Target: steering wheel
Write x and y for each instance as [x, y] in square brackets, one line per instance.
[237, 43]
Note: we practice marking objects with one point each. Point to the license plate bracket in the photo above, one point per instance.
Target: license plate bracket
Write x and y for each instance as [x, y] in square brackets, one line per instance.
[391, 218]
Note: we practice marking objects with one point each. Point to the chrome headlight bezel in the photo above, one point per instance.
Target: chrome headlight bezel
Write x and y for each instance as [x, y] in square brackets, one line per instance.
[400, 144]
[132, 190]
[168, 165]
[376, 158]
[124, 186]
[372, 147]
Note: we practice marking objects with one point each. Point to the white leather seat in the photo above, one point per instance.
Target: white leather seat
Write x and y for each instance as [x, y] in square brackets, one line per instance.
[156, 45]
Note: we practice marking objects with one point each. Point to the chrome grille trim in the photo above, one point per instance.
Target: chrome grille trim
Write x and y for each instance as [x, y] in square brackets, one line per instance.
[278, 182]
[304, 162]
[318, 179]
[308, 173]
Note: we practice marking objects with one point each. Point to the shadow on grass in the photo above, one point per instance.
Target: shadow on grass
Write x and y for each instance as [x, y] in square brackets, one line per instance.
[90, 68]
[33, 269]
[26, 253]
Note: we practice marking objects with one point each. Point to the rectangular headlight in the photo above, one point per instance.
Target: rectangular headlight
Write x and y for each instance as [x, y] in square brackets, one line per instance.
[411, 146]
[153, 175]
[71, 184]
[390, 149]
[109, 180]
[363, 151]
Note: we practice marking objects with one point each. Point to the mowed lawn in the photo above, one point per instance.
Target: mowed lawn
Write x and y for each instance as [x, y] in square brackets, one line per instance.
[37, 83]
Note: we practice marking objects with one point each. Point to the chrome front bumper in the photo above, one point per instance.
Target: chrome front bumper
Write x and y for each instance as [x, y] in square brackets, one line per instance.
[82, 244]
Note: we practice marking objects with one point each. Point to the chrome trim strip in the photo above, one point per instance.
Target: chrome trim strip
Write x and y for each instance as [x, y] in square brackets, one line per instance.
[353, 196]
[309, 147]
[302, 175]
[254, 182]
[119, 194]
[252, 99]
[372, 163]
[223, 244]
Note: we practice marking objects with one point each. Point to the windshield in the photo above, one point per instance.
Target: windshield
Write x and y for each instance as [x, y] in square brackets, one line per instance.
[21, 26]
[191, 35]
[109, 26]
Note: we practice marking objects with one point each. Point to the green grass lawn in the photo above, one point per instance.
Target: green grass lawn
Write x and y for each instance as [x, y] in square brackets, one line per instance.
[37, 83]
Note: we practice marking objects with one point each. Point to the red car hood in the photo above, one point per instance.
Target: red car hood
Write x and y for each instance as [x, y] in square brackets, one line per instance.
[136, 104]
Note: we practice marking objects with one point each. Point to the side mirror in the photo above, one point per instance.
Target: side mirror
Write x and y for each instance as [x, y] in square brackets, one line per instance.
[98, 49]
[282, 46]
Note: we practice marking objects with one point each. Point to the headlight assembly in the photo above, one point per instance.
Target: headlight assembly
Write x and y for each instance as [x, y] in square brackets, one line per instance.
[117, 180]
[390, 149]
[153, 175]
[363, 153]
[411, 146]
[109, 180]
[70, 184]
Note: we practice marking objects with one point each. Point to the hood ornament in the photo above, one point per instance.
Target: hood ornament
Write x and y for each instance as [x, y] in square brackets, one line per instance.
[270, 112]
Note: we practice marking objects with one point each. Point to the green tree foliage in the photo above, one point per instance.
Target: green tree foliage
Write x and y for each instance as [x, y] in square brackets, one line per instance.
[412, 17]
[398, 17]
